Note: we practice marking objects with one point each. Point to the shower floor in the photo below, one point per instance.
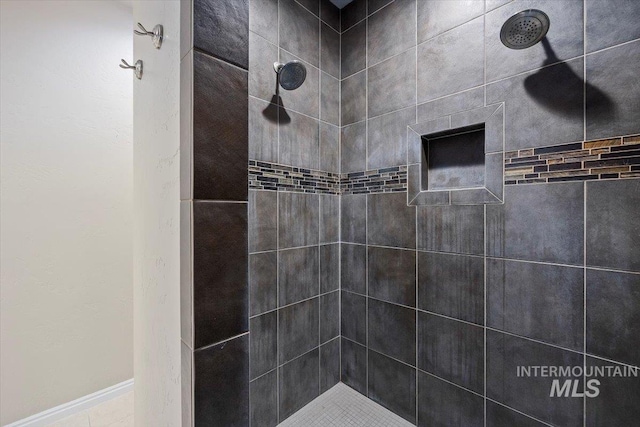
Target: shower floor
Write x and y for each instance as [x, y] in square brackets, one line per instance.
[343, 406]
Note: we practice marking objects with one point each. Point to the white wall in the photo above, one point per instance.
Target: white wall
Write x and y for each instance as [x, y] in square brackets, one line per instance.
[157, 220]
[66, 200]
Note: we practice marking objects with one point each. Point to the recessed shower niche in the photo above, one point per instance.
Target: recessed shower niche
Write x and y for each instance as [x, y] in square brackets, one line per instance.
[457, 159]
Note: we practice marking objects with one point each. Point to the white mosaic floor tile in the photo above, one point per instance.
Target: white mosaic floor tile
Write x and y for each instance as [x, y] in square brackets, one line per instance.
[342, 406]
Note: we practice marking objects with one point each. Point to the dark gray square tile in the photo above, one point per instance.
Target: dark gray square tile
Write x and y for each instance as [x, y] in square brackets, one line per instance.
[330, 99]
[353, 218]
[353, 13]
[298, 327]
[220, 265]
[392, 275]
[220, 130]
[501, 416]
[458, 229]
[610, 23]
[391, 31]
[263, 282]
[294, 393]
[613, 224]
[353, 268]
[353, 101]
[530, 395]
[539, 301]
[452, 285]
[393, 385]
[221, 384]
[298, 274]
[387, 141]
[263, 19]
[298, 219]
[264, 343]
[392, 84]
[617, 401]
[463, 101]
[299, 31]
[263, 220]
[264, 400]
[354, 365]
[329, 316]
[221, 28]
[613, 92]
[312, 6]
[451, 62]
[353, 50]
[452, 350]
[375, 5]
[263, 131]
[329, 364]
[329, 218]
[354, 317]
[390, 221]
[538, 223]
[553, 96]
[329, 148]
[329, 267]
[443, 404]
[329, 50]
[305, 99]
[613, 315]
[436, 17]
[262, 78]
[566, 40]
[353, 145]
[392, 330]
[330, 14]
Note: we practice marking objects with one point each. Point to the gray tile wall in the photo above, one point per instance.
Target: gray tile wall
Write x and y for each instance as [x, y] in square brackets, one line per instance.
[439, 304]
[294, 237]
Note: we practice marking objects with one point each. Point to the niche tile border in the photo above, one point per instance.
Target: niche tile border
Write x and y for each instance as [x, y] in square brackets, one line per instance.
[612, 158]
[492, 117]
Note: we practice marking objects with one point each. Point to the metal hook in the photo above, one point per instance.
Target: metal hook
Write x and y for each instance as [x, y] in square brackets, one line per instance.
[156, 34]
[137, 67]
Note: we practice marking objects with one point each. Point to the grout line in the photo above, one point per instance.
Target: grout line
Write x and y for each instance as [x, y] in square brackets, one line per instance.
[584, 302]
[280, 307]
[488, 328]
[484, 329]
[208, 346]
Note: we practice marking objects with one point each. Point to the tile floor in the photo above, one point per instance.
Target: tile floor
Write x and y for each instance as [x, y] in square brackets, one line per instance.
[343, 406]
[116, 412]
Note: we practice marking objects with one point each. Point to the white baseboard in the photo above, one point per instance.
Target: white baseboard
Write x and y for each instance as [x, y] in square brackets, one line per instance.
[70, 408]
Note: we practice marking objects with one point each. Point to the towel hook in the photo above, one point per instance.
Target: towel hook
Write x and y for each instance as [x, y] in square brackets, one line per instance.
[156, 34]
[137, 67]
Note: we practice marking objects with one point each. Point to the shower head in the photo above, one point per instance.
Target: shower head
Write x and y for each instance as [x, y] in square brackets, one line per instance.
[290, 75]
[524, 29]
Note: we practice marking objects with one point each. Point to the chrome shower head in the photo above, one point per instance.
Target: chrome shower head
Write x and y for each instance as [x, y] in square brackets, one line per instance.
[290, 75]
[524, 29]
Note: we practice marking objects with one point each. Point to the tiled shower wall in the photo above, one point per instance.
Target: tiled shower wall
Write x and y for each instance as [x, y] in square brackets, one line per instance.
[214, 210]
[293, 208]
[440, 304]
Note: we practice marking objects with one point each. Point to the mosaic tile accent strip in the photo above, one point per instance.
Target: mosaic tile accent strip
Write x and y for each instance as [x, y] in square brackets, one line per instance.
[276, 177]
[385, 180]
[613, 158]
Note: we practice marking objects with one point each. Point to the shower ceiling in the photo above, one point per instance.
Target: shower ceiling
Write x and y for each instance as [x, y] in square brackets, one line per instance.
[341, 3]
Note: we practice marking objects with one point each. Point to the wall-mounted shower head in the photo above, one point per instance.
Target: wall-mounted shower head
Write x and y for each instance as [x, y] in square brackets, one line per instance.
[290, 75]
[524, 29]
